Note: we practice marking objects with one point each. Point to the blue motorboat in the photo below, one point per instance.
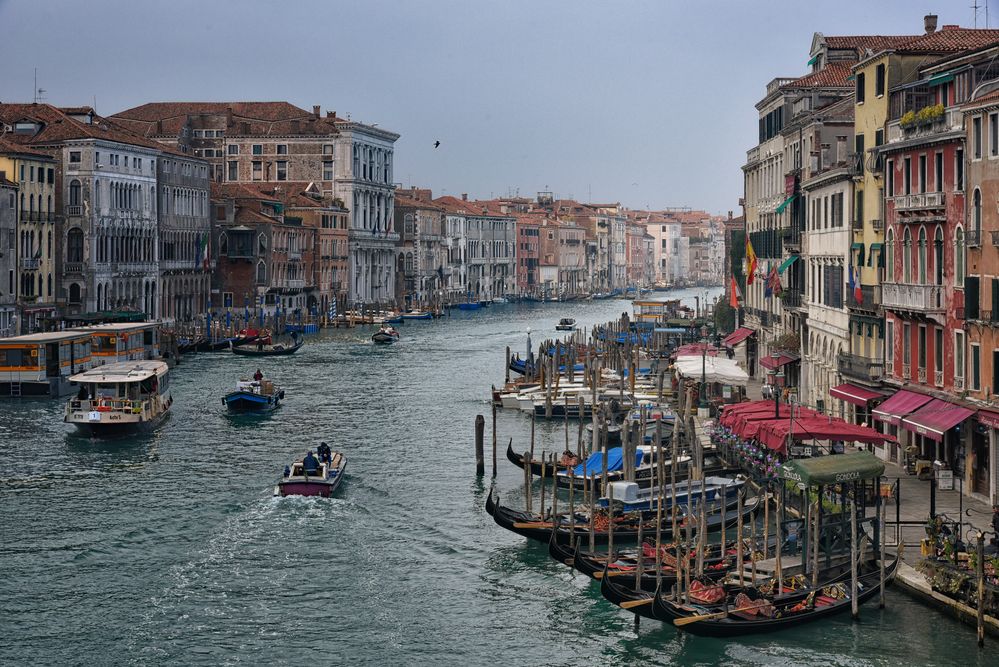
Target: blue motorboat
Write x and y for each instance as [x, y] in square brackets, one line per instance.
[469, 305]
[417, 315]
[253, 396]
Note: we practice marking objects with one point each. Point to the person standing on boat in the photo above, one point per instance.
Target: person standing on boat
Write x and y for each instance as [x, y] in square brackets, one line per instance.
[310, 463]
[325, 453]
[258, 376]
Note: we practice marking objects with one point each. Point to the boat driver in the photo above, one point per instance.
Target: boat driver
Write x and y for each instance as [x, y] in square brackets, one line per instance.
[310, 463]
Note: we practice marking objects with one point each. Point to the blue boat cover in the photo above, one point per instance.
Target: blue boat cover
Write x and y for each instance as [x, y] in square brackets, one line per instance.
[595, 464]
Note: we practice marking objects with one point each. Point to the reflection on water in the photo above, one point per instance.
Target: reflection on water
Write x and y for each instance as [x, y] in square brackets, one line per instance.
[172, 549]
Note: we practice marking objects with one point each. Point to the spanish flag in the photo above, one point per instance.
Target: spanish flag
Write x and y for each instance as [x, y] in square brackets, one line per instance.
[750, 262]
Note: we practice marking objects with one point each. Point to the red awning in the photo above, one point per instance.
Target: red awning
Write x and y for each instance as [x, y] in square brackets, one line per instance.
[775, 434]
[696, 350]
[988, 418]
[851, 393]
[898, 406]
[769, 363]
[936, 418]
[737, 336]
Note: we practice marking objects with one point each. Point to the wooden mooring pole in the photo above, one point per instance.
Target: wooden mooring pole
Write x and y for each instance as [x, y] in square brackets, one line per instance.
[480, 430]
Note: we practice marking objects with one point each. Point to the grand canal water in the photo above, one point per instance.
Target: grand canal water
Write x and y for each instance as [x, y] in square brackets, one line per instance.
[171, 549]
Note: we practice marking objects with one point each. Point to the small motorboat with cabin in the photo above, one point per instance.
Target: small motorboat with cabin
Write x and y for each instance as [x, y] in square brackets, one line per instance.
[313, 476]
[253, 396]
[417, 315]
[385, 335]
[118, 399]
[566, 324]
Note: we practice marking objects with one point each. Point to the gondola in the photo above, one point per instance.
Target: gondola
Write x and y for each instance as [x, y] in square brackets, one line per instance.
[531, 525]
[618, 594]
[805, 606]
[269, 351]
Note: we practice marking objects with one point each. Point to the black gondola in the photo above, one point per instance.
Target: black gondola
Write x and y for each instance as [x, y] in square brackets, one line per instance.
[802, 606]
[272, 351]
[532, 525]
[619, 595]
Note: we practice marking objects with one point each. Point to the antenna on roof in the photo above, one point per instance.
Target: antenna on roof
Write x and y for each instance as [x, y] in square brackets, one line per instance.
[39, 93]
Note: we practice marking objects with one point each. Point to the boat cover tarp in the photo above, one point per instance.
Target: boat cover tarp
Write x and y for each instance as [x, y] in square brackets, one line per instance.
[594, 465]
[833, 469]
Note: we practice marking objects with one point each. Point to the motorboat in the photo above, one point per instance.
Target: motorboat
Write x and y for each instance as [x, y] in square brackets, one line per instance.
[566, 324]
[322, 481]
[630, 497]
[253, 396]
[385, 335]
[417, 315]
[121, 398]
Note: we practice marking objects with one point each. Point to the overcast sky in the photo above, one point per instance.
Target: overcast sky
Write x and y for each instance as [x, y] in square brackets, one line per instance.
[646, 103]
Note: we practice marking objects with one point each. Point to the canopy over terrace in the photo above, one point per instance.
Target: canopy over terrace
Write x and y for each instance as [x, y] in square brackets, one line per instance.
[765, 409]
[837, 469]
[747, 425]
[737, 336]
[696, 350]
[712, 369]
[775, 434]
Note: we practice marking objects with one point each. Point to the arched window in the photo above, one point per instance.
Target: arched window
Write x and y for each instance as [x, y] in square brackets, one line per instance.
[976, 212]
[48, 291]
[959, 257]
[74, 193]
[922, 255]
[74, 245]
[262, 244]
[223, 244]
[261, 273]
[938, 256]
[74, 293]
[97, 195]
[906, 256]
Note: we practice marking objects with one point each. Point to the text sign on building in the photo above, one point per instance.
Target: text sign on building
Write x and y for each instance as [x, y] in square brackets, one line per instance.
[789, 183]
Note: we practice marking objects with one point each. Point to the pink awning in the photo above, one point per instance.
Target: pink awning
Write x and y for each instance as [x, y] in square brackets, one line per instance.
[775, 434]
[769, 363]
[902, 403]
[737, 336]
[696, 350]
[936, 418]
[851, 393]
[988, 418]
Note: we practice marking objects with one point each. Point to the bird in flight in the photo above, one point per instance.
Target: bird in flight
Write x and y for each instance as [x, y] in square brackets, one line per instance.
[437, 143]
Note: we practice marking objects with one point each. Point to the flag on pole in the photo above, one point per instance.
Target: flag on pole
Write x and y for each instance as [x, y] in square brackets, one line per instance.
[849, 276]
[734, 293]
[773, 282]
[202, 251]
[750, 261]
[858, 293]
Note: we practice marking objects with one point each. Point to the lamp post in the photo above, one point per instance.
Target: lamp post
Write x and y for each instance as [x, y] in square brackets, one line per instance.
[776, 373]
[703, 407]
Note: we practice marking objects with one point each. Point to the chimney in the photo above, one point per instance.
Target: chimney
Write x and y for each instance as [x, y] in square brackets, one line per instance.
[840, 149]
[930, 23]
[464, 196]
[315, 111]
[730, 215]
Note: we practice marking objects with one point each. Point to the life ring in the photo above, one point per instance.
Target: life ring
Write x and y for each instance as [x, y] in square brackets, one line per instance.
[104, 406]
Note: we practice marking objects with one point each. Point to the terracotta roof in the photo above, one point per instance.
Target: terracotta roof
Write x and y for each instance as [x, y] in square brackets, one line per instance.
[22, 149]
[8, 184]
[247, 118]
[866, 42]
[950, 39]
[832, 75]
[409, 202]
[988, 98]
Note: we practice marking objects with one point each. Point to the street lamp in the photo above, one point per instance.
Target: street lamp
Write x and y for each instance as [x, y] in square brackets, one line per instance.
[776, 374]
[704, 363]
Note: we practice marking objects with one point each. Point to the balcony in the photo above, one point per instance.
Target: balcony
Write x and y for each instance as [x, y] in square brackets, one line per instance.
[859, 367]
[973, 238]
[921, 375]
[906, 372]
[924, 201]
[958, 384]
[791, 298]
[871, 298]
[878, 225]
[74, 267]
[913, 298]
[938, 378]
[294, 256]
[29, 264]
[76, 211]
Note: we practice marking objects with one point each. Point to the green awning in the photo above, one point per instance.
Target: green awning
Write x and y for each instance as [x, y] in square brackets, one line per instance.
[940, 79]
[851, 77]
[786, 263]
[859, 247]
[814, 59]
[833, 469]
[875, 247]
[783, 205]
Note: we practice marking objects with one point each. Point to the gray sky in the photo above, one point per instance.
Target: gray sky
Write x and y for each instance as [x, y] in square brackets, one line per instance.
[646, 103]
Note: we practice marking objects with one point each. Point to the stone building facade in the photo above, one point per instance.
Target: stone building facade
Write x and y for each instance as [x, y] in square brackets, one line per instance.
[185, 259]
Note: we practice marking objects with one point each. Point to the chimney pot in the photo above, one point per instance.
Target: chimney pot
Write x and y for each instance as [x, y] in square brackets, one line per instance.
[930, 23]
[464, 196]
[315, 110]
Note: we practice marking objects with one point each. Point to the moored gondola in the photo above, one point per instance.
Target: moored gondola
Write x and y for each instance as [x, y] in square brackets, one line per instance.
[268, 350]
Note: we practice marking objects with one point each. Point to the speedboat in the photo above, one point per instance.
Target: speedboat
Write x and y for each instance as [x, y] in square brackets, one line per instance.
[253, 396]
[323, 481]
[566, 324]
[385, 335]
[417, 315]
[121, 398]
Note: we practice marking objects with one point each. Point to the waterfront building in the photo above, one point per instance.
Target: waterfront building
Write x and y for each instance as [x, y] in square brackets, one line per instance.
[8, 254]
[34, 257]
[260, 253]
[185, 262]
[572, 278]
[422, 252]
[528, 253]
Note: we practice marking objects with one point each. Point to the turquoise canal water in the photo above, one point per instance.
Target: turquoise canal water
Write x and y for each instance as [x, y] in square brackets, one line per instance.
[171, 549]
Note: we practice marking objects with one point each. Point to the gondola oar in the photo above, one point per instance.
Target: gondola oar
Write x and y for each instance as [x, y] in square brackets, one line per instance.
[687, 620]
[631, 604]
